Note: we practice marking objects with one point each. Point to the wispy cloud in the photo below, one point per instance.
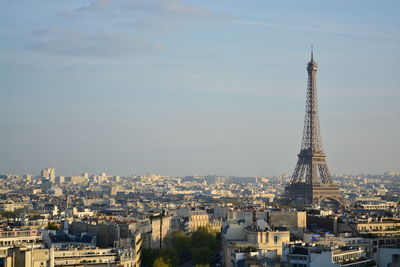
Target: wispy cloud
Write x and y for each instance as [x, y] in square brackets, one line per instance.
[76, 43]
[335, 30]
[17, 67]
[160, 7]
[152, 14]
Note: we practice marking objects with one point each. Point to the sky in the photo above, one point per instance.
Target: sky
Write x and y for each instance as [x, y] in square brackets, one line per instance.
[181, 87]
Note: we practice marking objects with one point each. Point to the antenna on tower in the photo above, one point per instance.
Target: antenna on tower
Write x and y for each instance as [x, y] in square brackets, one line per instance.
[312, 52]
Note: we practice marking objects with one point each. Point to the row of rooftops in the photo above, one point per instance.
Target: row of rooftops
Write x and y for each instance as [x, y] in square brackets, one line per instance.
[307, 249]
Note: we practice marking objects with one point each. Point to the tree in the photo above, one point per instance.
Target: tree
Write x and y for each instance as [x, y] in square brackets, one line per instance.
[161, 262]
[181, 243]
[201, 245]
[169, 254]
[149, 256]
[204, 237]
[53, 226]
[204, 242]
[7, 214]
[11, 214]
[201, 255]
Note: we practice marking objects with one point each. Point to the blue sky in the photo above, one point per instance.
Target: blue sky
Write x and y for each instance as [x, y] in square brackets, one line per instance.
[178, 87]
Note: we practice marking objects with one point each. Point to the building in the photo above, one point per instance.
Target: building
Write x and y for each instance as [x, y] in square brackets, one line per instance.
[16, 238]
[315, 256]
[109, 235]
[221, 212]
[65, 240]
[294, 221]
[388, 257]
[34, 221]
[378, 226]
[27, 257]
[55, 191]
[160, 228]
[7, 205]
[241, 238]
[80, 214]
[372, 205]
[192, 218]
[49, 174]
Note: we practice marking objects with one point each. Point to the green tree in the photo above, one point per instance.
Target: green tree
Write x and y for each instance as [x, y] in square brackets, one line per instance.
[169, 254]
[7, 214]
[53, 226]
[11, 214]
[204, 237]
[149, 256]
[201, 245]
[161, 262]
[181, 243]
[204, 242]
[201, 255]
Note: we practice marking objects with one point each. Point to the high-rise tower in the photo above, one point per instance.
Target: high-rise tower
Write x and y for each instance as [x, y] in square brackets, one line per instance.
[311, 179]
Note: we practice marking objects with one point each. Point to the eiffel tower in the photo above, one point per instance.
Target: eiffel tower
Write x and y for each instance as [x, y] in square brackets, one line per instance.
[311, 180]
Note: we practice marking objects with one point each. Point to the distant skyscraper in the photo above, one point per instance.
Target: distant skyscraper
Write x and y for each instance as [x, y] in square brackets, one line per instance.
[311, 179]
[49, 173]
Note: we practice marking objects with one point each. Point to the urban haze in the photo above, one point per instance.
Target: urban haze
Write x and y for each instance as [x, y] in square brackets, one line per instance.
[166, 133]
[195, 87]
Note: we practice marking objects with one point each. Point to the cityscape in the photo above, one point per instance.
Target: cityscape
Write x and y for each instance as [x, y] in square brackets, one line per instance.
[307, 217]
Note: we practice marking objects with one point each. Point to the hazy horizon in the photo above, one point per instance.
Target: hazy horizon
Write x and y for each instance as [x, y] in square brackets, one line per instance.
[178, 87]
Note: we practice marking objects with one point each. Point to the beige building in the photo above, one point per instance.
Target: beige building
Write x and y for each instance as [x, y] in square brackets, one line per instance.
[378, 205]
[194, 218]
[122, 247]
[160, 227]
[80, 214]
[293, 221]
[215, 224]
[35, 221]
[248, 236]
[329, 256]
[154, 229]
[7, 205]
[380, 227]
[221, 212]
[49, 173]
[24, 256]
[75, 179]
[198, 218]
[17, 237]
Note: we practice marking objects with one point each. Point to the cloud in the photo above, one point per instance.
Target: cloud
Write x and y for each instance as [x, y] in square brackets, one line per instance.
[336, 30]
[156, 7]
[17, 67]
[76, 43]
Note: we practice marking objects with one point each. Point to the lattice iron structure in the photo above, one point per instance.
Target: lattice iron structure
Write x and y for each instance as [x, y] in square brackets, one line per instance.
[311, 179]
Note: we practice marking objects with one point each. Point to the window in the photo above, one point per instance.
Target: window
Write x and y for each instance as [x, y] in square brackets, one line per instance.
[276, 239]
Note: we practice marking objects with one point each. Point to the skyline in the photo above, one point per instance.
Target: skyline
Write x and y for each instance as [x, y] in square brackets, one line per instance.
[181, 87]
